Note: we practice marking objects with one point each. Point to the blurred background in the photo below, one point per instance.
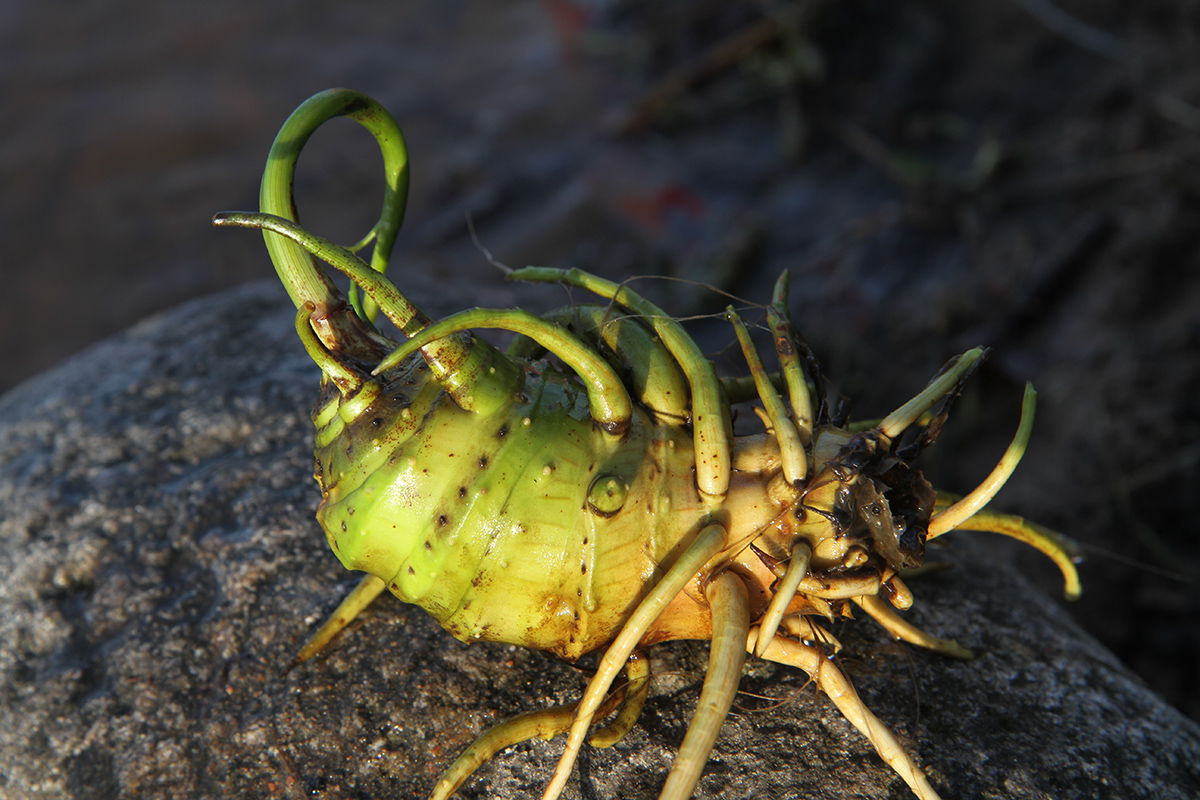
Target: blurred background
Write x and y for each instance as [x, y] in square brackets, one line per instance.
[1019, 173]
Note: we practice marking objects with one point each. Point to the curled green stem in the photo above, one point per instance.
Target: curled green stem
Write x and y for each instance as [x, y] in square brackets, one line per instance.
[609, 401]
[305, 282]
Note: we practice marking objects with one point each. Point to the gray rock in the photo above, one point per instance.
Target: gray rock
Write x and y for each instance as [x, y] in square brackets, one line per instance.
[160, 566]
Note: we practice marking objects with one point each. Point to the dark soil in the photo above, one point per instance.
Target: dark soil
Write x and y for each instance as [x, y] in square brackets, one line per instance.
[935, 175]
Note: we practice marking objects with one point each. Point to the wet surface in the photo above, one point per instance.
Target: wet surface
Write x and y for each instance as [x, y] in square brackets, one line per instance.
[935, 178]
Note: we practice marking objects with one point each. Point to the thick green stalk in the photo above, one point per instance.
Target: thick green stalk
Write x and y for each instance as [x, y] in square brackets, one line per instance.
[305, 281]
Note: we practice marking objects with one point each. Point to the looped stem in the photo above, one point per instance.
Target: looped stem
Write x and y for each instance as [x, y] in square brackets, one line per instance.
[304, 281]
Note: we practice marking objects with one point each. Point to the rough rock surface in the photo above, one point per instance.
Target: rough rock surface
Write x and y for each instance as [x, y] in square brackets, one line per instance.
[159, 566]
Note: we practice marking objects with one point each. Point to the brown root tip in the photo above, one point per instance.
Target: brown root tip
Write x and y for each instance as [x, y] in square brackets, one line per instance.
[618, 427]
